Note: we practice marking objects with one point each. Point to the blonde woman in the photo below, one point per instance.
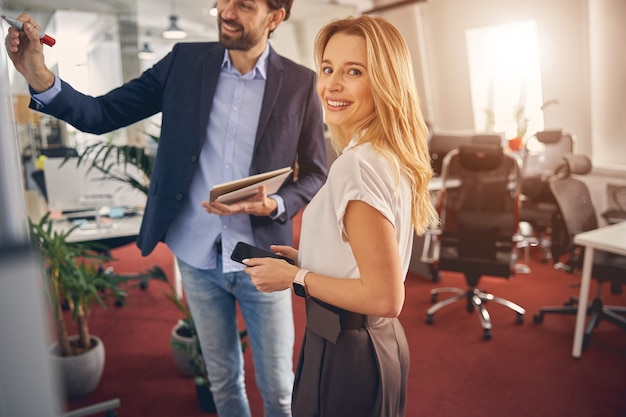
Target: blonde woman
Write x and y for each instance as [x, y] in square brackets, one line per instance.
[357, 232]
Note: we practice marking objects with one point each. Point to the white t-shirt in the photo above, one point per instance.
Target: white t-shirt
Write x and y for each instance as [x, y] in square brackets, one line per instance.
[359, 173]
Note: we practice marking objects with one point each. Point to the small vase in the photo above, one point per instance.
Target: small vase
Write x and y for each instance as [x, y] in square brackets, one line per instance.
[205, 398]
[515, 144]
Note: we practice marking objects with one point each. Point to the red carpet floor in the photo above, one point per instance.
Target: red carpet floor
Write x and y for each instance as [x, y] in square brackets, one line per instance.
[525, 370]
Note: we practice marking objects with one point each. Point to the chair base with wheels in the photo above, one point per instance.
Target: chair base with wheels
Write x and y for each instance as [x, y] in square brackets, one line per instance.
[596, 311]
[476, 300]
[606, 265]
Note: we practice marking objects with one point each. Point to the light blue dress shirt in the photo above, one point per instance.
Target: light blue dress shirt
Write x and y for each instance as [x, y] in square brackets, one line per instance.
[225, 156]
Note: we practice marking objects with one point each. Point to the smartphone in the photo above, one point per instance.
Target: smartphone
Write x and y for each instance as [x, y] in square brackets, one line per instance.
[244, 251]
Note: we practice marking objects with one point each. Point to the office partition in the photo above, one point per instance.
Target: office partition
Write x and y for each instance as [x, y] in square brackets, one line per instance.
[26, 379]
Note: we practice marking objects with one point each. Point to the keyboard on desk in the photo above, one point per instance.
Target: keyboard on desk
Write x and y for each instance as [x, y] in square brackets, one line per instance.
[90, 215]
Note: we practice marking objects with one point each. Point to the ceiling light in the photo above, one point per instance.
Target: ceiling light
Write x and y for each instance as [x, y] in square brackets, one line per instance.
[146, 52]
[174, 32]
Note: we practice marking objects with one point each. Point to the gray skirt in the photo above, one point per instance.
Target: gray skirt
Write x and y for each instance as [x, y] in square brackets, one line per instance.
[350, 365]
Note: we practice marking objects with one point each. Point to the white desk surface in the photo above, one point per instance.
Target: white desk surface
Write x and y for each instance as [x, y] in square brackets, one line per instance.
[114, 228]
[609, 239]
[436, 183]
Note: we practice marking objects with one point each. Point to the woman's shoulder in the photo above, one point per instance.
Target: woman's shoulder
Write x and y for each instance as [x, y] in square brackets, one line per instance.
[363, 161]
[363, 155]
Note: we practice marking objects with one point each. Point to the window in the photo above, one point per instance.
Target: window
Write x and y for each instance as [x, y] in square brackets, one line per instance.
[505, 78]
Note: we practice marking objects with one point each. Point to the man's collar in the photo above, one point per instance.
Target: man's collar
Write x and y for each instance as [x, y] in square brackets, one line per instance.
[260, 67]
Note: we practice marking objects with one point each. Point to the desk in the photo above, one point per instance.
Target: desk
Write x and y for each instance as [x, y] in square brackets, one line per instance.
[609, 239]
[124, 227]
[436, 183]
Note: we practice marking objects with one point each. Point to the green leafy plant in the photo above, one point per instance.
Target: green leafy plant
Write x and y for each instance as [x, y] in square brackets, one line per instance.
[521, 121]
[106, 156]
[75, 276]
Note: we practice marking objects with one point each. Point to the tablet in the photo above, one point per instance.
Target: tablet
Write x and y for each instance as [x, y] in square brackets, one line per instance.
[233, 191]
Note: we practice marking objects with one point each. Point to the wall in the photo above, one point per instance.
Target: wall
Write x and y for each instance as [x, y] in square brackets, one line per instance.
[608, 82]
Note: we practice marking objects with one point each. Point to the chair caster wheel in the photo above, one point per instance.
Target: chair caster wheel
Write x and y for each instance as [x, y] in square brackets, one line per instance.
[487, 334]
[143, 284]
[538, 318]
[429, 319]
[519, 319]
[433, 298]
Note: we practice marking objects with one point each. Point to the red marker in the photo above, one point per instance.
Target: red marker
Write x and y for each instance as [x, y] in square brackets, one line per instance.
[48, 40]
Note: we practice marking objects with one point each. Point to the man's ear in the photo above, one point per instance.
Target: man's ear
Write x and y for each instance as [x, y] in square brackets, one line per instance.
[276, 16]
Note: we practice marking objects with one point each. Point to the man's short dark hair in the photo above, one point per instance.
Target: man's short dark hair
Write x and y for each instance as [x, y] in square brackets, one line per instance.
[277, 4]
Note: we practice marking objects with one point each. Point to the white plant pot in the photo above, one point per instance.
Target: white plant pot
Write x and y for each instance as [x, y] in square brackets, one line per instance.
[80, 374]
[181, 348]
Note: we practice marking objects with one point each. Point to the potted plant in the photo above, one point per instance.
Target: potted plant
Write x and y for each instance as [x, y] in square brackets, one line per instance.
[201, 379]
[75, 276]
[521, 122]
[188, 354]
[182, 335]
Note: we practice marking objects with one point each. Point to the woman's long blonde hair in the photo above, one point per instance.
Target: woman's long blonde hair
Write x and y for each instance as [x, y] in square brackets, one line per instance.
[396, 128]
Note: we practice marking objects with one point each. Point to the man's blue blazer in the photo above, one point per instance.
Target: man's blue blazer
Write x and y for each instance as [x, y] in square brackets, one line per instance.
[181, 86]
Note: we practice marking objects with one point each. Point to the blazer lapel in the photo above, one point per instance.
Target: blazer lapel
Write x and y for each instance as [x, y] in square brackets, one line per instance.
[272, 89]
[212, 62]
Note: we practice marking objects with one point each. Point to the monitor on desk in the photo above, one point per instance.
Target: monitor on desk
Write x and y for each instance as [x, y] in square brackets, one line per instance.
[74, 188]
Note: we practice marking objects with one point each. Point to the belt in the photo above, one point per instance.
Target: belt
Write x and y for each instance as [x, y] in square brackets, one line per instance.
[327, 320]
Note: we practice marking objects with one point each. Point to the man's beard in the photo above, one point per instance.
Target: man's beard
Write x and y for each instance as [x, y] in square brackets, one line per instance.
[245, 42]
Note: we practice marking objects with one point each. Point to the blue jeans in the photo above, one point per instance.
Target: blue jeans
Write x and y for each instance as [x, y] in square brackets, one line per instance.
[212, 297]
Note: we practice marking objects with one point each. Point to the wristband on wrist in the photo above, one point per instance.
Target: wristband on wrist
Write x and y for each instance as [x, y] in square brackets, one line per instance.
[299, 286]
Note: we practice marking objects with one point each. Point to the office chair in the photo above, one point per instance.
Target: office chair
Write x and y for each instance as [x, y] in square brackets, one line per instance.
[478, 223]
[441, 143]
[439, 146]
[542, 156]
[616, 212]
[488, 138]
[576, 214]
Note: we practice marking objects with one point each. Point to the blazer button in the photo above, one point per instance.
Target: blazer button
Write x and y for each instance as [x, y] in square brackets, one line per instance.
[179, 196]
[194, 158]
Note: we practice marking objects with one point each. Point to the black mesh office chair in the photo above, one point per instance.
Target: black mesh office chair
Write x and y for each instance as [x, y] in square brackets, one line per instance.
[577, 214]
[542, 156]
[439, 146]
[479, 209]
[441, 143]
